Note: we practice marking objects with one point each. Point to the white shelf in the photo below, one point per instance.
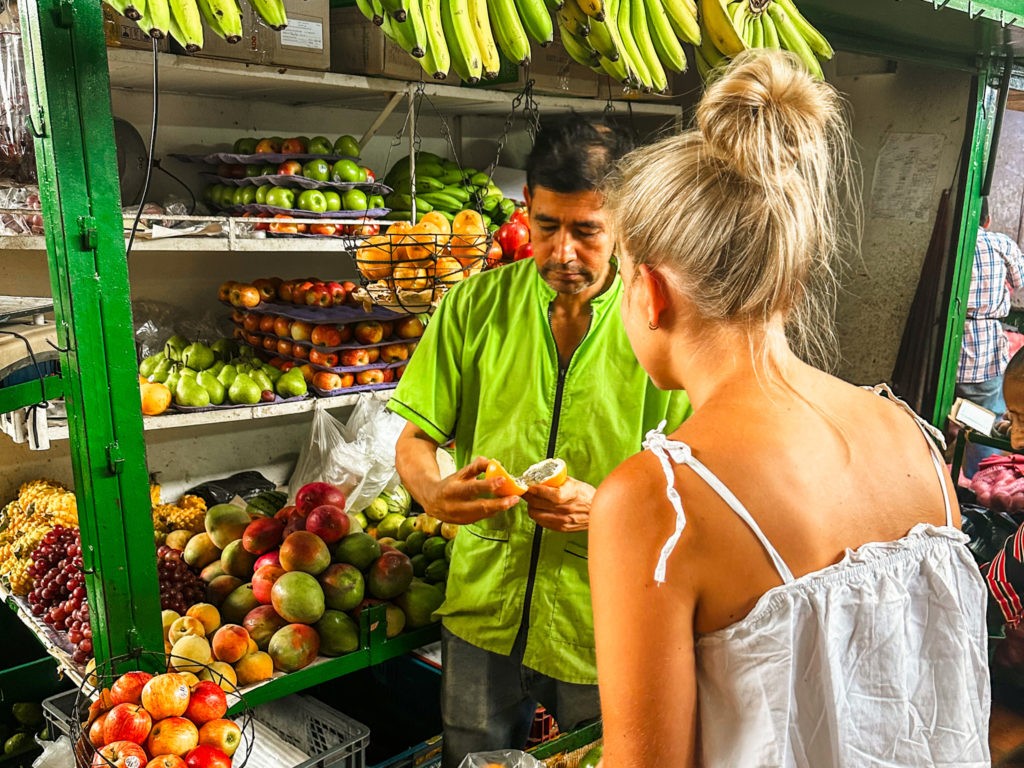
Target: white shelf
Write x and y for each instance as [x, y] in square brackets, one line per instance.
[300, 87]
[206, 244]
[176, 420]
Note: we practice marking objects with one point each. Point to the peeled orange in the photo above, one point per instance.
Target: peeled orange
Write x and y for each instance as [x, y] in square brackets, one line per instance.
[550, 472]
[510, 486]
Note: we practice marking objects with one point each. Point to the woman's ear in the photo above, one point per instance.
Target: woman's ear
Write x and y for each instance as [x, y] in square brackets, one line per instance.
[655, 295]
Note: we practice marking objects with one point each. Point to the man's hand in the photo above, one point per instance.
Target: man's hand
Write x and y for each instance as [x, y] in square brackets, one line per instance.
[461, 498]
[565, 509]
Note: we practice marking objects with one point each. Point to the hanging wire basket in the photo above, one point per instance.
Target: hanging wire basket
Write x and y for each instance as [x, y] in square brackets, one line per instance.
[93, 695]
[408, 269]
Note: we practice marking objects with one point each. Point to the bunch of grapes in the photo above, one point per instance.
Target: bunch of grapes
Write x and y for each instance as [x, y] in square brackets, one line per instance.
[180, 586]
[58, 593]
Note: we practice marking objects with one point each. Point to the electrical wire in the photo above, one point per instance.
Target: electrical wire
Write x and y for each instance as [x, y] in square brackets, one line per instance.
[152, 147]
[192, 208]
[32, 356]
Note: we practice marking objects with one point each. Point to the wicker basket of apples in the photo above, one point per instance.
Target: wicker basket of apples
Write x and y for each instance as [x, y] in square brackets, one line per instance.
[411, 266]
[126, 717]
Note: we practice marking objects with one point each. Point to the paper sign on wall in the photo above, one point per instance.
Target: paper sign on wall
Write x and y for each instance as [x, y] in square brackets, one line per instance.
[303, 34]
[905, 175]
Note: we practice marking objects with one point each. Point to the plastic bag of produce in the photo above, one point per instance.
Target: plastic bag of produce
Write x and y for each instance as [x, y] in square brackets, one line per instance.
[508, 758]
[328, 457]
[375, 430]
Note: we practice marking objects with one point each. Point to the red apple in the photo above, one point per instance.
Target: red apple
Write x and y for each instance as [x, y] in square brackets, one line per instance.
[267, 288]
[208, 701]
[410, 327]
[393, 353]
[301, 330]
[251, 321]
[300, 352]
[389, 328]
[373, 355]
[224, 292]
[166, 696]
[167, 761]
[349, 286]
[389, 374]
[238, 316]
[338, 293]
[222, 734]
[318, 296]
[284, 290]
[299, 291]
[369, 331]
[328, 522]
[269, 343]
[293, 146]
[244, 295]
[313, 495]
[372, 376]
[270, 146]
[127, 689]
[173, 736]
[267, 323]
[326, 336]
[290, 168]
[127, 722]
[347, 380]
[354, 357]
[283, 347]
[205, 756]
[271, 557]
[96, 731]
[282, 326]
[326, 381]
[122, 754]
[254, 340]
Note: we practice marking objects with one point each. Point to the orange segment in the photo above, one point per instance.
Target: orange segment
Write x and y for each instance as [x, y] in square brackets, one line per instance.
[510, 486]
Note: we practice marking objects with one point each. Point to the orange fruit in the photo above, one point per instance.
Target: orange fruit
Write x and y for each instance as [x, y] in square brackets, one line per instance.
[374, 257]
[469, 238]
[447, 270]
[411, 278]
[156, 398]
[550, 472]
[510, 486]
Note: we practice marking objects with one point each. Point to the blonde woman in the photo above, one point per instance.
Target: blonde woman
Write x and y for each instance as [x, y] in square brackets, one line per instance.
[781, 581]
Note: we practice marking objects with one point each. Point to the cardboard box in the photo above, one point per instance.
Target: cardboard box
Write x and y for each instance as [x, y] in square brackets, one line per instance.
[247, 49]
[358, 47]
[122, 32]
[552, 71]
[305, 43]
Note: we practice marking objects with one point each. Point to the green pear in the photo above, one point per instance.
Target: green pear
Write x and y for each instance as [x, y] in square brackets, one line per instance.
[172, 379]
[272, 373]
[198, 356]
[291, 384]
[190, 393]
[244, 390]
[162, 370]
[227, 375]
[188, 373]
[213, 387]
[262, 380]
[217, 367]
[224, 349]
[149, 364]
[245, 368]
[246, 352]
[175, 346]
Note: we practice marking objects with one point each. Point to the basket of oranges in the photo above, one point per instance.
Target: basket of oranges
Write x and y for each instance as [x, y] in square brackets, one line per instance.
[409, 268]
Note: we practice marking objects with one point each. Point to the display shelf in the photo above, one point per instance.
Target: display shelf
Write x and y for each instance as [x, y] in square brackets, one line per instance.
[176, 420]
[207, 244]
[235, 80]
[45, 635]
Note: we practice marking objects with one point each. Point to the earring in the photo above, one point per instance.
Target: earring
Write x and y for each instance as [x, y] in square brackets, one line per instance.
[653, 326]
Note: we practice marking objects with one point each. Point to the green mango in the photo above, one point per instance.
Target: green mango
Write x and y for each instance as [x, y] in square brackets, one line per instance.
[244, 391]
[291, 384]
[262, 380]
[224, 349]
[148, 365]
[227, 375]
[162, 370]
[190, 393]
[214, 388]
[198, 356]
[174, 347]
[272, 373]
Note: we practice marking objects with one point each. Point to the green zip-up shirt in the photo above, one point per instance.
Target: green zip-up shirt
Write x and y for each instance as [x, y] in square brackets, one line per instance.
[486, 373]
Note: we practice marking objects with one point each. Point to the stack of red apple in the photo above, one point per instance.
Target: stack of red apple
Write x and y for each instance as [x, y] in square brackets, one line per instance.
[514, 238]
[171, 720]
[314, 292]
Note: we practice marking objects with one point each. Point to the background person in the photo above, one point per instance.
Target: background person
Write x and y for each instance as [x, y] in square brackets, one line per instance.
[998, 269]
[797, 593]
[521, 363]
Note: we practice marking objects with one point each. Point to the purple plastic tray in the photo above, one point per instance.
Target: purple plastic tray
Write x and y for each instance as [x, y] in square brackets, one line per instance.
[269, 157]
[320, 315]
[338, 368]
[227, 406]
[354, 389]
[354, 345]
[298, 213]
[370, 187]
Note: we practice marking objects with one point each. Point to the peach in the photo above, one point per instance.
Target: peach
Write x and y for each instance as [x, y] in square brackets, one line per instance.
[207, 614]
[184, 627]
[222, 673]
[230, 643]
[191, 653]
[254, 668]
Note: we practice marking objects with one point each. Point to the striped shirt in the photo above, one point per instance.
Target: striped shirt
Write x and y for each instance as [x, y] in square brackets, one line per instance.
[998, 268]
[1005, 577]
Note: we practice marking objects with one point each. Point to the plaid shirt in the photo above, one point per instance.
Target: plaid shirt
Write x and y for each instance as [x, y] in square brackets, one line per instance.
[998, 268]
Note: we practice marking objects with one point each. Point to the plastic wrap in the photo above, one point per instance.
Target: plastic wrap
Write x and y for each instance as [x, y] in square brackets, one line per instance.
[17, 157]
[20, 212]
[508, 758]
[375, 430]
[328, 457]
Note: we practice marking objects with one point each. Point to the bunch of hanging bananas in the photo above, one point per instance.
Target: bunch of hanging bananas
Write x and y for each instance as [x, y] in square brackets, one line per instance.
[183, 19]
[732, 26]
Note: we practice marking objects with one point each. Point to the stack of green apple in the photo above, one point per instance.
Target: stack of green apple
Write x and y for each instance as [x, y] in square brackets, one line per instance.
[199, 375]
[442, 186]
[297, 145]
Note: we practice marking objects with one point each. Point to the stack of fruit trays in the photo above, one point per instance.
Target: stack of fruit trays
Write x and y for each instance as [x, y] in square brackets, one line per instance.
[338, 347]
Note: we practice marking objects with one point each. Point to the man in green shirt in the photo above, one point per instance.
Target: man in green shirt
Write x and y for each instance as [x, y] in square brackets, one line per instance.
[519, 364]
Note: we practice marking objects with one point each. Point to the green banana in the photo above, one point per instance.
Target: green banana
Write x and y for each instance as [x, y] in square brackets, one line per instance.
[636, 62]
[554, 5]
[481, 25]
[459, 193]
[449, 177]
[223, 17]
[366, 8]
[771, 34]
[397, 9]
[815, 40]
[157, 19]
[272, 12]
[602, 41]
[791, 39]
[441, 201]
[755, 35]
[578, 48]
[623, 69]
[437, 62]
[509, 33]
[133, 10]
[404, 202]
[704, 69]
[536, 20]
[642, 35]
[400, 215]
[683, 16]
[667, 46]
[414, 17]
[480, 179]
[185, 17]
[458, 31]
[378, 12]
[401, 33]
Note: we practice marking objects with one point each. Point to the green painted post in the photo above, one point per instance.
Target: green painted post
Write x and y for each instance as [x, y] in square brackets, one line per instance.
[974, 174]
[69, 87]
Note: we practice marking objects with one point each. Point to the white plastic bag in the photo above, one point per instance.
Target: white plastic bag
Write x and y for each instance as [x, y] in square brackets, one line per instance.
[374, 430]
[328, 457]
[507, 758]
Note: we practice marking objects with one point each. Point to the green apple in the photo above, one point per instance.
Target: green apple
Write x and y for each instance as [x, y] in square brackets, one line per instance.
[268, 169]
[235, 196]
[313, 200]
[375, 201]
[354, 200]
[362, 175]
[281, 197]
[333, 200]
[319, 145]
[254, 170]
[261, 193]
[318, 170]
[246, 146]
[347, 145]
[346, 170]
[247, 196]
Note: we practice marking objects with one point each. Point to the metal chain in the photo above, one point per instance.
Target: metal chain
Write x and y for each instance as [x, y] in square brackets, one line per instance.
[531, 115]
[396, 141]
[446, 131]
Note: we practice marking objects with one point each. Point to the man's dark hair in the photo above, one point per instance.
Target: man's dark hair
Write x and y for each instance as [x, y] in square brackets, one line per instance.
[574, 154]
[984, 210]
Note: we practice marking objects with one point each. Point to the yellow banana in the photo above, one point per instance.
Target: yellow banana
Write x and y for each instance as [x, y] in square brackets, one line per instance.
[508, 29]
[578, 48]
[714, 57]
[458, 31]
[272, 12]
[593, 8]
[716, 24]
[478, 17]
[667, 46]
[815, 40]
[189, 23]
[602, 41]
[629, 45]
[771, 34]
[580, 24]
[682, 14]
[792, 40]
[536, 20]
[437, 60]
[642, 36]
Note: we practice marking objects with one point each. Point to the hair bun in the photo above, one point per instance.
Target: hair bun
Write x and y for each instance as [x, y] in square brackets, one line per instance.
[765, 114]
